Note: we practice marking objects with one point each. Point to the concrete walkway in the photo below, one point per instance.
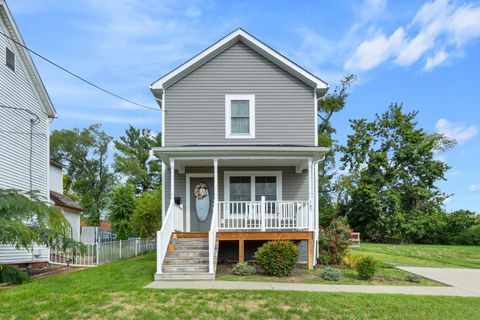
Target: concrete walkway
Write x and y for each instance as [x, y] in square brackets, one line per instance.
[464, 279]
[240, 285]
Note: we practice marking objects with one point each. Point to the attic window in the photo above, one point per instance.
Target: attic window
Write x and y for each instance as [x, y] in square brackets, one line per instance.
[10, 61]
[240, 116]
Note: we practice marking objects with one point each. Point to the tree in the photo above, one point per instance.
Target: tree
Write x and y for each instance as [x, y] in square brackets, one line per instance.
[122, 203]
[147, 216]
[84, 155]
[326, 108]
[134, 159]
[25, 218]
[392, 174]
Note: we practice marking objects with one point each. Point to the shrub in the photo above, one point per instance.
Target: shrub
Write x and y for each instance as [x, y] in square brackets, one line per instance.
[333, 241]
[366, 267]
[243, 269]
[471, 236]
[9, 274]
[331, 274]
[413, 278]
[350, 261]
[277, 258]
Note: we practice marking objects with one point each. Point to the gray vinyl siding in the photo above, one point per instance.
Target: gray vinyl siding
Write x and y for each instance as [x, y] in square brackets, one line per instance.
[294, 185]
[16, 90]
[195, 105]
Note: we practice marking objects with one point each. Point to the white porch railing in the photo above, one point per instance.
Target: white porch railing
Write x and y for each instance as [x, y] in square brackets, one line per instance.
[264, 215]
[165, 233]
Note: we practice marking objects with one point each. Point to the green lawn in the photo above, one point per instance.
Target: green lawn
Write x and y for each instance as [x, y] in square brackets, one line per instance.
[385, 276]
[115, 291]
[423, 255]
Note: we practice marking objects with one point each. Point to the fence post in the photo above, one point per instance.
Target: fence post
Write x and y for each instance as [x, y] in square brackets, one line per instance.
[136, 247]
[120, 249]
[98, 252]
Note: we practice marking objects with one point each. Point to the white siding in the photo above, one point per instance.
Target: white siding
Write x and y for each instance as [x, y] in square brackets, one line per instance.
[16, 90]
[56, 179]
[74, 221]
[9, 254]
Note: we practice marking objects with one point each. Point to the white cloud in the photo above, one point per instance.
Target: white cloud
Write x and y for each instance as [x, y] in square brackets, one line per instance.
[437, 59]
[458, 132]
[448, 200]
[439, 30]
[375, 51]
[474, 187]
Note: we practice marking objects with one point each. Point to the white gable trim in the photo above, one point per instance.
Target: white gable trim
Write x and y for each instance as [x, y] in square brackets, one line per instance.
[161, 84]
[26, 59]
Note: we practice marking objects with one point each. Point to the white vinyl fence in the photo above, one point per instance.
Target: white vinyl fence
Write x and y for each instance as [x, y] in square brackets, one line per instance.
[98, 253]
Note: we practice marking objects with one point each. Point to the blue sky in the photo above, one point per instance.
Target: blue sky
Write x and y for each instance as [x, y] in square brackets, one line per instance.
[424, 54]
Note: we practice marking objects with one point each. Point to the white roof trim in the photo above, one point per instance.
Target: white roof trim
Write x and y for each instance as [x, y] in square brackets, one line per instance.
[161, 84]
[31, 70]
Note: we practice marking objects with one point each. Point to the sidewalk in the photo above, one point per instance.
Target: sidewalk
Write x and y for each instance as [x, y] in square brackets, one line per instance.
[278, 286]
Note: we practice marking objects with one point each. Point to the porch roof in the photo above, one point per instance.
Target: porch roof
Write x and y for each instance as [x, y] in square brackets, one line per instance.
[241, 155]
[231, 152]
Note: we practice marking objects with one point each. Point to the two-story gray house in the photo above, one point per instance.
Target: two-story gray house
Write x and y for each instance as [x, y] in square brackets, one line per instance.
[239, 153]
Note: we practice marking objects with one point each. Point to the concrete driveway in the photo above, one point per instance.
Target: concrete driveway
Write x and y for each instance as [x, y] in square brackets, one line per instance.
[465, 279]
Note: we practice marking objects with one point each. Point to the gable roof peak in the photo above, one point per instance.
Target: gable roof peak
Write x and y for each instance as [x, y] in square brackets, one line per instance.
[238, 34]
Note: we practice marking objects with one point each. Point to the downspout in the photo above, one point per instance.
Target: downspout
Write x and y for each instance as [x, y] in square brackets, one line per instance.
[317, 220]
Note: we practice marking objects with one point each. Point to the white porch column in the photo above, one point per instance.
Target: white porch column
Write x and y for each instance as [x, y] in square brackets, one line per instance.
[172, 181]
[215, 181]
[310, 196]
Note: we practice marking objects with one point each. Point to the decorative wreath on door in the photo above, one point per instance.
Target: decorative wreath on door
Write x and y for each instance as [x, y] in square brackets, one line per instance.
[200, 191]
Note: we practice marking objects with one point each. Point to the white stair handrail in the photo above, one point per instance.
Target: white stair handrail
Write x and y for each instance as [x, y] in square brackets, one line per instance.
[212, 238]
[164, 235]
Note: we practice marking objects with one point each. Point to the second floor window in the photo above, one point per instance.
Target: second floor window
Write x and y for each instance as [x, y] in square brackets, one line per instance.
[10, 59]
[240, 116]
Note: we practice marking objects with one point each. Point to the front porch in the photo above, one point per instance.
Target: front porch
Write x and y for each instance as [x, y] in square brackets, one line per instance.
[233, 195]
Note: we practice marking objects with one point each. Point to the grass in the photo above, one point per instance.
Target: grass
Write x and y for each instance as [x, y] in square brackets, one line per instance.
[385, 276]
[423, 255]
[115, 291]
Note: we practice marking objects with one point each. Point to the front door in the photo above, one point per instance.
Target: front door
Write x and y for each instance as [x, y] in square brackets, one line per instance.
[201, 204]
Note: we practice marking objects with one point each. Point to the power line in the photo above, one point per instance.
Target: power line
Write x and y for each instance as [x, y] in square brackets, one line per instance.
[79, 77]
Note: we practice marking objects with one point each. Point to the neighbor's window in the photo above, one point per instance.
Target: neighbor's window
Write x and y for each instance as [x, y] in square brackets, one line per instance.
[240, 116]
[10, 62]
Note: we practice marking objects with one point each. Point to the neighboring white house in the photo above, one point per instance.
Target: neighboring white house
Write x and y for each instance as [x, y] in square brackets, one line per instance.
[25, 114]
[70, 208]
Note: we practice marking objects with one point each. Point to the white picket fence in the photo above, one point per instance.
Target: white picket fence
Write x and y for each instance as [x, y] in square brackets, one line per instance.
[99, 253]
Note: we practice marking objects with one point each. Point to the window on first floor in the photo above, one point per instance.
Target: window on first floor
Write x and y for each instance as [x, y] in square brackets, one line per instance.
[252, 187]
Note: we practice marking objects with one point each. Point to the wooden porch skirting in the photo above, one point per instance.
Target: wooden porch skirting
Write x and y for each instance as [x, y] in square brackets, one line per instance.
[242, 236]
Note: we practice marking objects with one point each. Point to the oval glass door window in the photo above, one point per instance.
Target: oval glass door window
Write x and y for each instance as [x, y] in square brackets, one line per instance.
[202, 201]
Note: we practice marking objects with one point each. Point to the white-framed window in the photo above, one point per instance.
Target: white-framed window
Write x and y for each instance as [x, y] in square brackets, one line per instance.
[10, 59]
[252, 185]
[239, 116]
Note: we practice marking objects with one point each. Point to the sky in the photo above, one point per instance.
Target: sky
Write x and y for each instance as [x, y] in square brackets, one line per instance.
[424, 54]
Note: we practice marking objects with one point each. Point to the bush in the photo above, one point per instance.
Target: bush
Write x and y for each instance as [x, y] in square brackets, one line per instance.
[331, 274]
[243, 269]
[333, 241]
[471, 236]
[366, 267]
[350, 261]
[413, 278]
[9, 274]
[277, 258]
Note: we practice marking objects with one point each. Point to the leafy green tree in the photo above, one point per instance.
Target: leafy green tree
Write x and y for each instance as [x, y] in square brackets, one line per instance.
[122, 203]
[84, 155]
[134, 160]
[147, 216]
[26, 218]
[332, 103]
[458, 222]
[122, 233]
[392, 175]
